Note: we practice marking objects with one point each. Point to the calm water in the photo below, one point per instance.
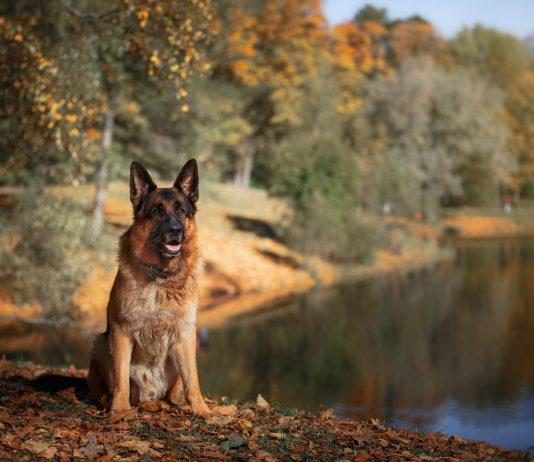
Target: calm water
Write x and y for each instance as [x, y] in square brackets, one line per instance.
[447, 349]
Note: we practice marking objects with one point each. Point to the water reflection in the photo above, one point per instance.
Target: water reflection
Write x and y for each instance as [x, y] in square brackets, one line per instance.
[448, 349]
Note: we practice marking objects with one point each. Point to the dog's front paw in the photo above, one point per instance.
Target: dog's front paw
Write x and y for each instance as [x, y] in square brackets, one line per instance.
[200, 408]
[120, 405]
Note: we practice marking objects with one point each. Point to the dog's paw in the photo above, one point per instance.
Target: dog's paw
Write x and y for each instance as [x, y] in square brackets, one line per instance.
[201, 409]
[119, 406]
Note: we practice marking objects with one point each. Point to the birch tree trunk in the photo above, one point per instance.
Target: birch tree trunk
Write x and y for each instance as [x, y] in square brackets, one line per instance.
[244, 168]
[103, 172]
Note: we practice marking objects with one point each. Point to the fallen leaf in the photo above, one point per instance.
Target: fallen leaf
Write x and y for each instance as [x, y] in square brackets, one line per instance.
[140, 446]
[263, 456]
[122, 415]
[91, 450]
[375, 423]
[150, 406]
[225, 410]
[69, 395]
[235, 441]
[218, 419]
[285, 420]
[261, 402]
[277, 435]
[39, 448]
[327, 413]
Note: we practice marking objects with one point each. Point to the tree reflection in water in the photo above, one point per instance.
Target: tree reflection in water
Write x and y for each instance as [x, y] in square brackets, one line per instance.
[412, 349]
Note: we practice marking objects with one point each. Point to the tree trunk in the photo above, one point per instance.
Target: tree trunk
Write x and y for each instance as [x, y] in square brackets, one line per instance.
[244, 168]
[102, 175]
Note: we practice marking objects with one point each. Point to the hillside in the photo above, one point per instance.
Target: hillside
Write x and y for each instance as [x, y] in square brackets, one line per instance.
[246, 263]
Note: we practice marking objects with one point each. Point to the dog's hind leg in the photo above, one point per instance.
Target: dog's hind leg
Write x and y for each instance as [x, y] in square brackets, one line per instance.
[98, 389]
[176, 390]
[98, 378]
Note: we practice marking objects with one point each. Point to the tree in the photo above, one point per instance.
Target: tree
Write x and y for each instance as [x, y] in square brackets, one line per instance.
[490, 53]
[358, 53]
[318, 173]
[415, 38]
[271, 49]
[438, 135]
[370, 13]
[501, 58]
[520, 117]
[162, 41]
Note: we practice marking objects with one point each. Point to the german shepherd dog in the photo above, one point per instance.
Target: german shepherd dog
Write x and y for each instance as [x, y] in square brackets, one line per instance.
[149, 348]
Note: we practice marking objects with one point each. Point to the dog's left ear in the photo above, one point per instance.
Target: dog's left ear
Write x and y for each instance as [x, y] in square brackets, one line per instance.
[187, 180]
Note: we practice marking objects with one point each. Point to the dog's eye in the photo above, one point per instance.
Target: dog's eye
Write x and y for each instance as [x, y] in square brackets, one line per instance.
[179, 208]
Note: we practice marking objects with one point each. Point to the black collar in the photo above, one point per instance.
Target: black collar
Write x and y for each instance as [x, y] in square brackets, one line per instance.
[153, 271]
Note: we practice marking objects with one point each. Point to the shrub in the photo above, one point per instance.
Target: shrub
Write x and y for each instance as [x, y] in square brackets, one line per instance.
[42, 259]
[321, 228]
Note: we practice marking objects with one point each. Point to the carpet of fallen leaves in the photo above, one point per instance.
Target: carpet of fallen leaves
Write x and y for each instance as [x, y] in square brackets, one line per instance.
[45, 415]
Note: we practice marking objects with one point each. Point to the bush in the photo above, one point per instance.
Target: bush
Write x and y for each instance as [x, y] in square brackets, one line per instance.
[42, 257]
[324, 229]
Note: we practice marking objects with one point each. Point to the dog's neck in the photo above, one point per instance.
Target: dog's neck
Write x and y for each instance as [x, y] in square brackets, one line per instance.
[151, 267]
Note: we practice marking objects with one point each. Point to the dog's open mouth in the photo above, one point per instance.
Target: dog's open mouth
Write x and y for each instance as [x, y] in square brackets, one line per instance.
[173, 247]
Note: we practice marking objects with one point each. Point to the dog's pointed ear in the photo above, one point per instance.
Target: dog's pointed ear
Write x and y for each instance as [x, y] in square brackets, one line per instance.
[141, 183]
[187, 180]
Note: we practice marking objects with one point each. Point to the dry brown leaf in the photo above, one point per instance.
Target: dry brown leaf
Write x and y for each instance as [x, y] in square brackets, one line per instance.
[261, 402]
[122, 415]
[218, 419]
[69, 395]
[277, 435]
[327, 413]
[39, 448]
[225, 410]
[140, 446]
[263, 456]
[285, 420]
[91, 450]
[149, 406]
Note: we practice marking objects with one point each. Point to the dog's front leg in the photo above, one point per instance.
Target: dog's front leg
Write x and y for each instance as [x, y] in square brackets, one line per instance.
[121, 352]
[187, 364]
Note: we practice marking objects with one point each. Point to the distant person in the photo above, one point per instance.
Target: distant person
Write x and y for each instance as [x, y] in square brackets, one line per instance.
[508, 203]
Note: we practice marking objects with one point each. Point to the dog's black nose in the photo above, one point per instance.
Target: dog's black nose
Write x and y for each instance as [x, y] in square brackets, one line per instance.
[175, 230]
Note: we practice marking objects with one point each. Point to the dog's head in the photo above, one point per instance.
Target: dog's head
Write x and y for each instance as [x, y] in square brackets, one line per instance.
[164, 217]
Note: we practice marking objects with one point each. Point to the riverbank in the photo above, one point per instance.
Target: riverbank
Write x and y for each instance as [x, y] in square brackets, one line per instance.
[45, 415]
[246, 264]
[482, 222]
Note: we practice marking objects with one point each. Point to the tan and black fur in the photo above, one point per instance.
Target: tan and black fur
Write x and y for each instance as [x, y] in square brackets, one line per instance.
[149, 348]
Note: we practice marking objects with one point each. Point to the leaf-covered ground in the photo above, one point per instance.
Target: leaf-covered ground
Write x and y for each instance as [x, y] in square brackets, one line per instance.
[45, 415]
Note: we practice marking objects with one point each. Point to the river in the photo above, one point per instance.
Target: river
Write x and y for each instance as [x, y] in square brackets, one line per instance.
[449, 348]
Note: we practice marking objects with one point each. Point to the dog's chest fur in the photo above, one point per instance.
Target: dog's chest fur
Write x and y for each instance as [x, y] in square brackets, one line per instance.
[157, 314]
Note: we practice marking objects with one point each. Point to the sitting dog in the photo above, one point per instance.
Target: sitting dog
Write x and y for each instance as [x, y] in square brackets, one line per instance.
[149, 348]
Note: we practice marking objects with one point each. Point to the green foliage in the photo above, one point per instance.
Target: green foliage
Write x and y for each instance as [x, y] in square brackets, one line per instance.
[44, 261]
[371, 13]
[491, 53]
[432, 134]
[319, 173]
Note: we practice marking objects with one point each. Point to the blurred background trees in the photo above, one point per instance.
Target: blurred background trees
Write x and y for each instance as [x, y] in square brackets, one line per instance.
[342, 120]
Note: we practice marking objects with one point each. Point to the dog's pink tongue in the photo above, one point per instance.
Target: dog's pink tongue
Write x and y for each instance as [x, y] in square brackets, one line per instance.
[173, 247]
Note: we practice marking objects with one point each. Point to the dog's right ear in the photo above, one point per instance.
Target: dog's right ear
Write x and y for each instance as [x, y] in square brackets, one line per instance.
[141, 183]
